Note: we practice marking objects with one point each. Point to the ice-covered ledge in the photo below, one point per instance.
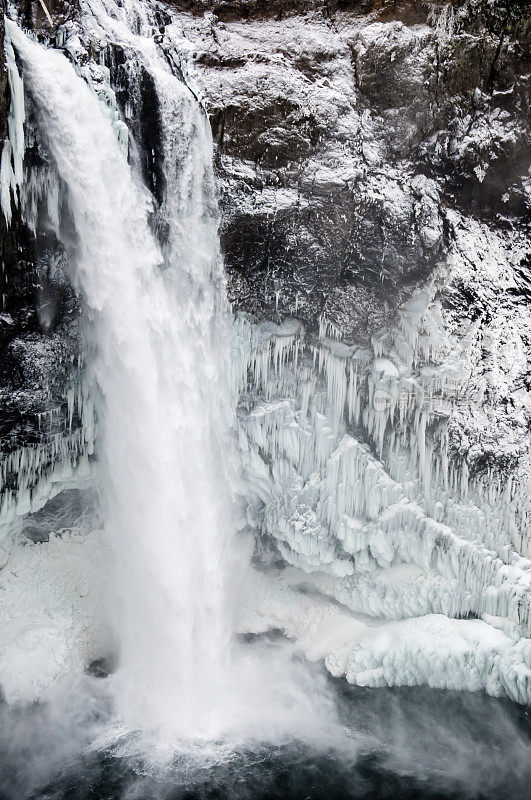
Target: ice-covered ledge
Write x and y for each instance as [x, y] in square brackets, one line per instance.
[33, 473]
[45, 471]
[431, 649]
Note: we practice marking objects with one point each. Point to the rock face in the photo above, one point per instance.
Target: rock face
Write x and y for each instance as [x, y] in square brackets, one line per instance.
[345, 131]
[38, 322]
[365, 150]
[351, 139]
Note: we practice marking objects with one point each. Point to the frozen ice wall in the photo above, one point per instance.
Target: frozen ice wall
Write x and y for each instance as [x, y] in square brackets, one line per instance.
[351, 480]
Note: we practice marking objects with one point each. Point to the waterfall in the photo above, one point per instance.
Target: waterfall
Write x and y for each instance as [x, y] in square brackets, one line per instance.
[158, 334]
[158, 327]
[385, 544]
[270, 494]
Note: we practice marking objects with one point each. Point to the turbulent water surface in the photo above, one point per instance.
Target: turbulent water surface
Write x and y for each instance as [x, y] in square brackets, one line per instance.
[402, 743]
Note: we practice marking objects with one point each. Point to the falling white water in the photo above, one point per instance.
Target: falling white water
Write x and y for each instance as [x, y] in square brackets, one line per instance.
[158, 323]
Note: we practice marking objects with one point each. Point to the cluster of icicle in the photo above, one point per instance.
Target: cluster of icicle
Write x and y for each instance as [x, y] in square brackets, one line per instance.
[345, 470]
[11, 164]
[31, 473]
[34, 472]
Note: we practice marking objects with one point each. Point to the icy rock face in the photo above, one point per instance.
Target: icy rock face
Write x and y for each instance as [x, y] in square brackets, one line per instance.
[47, 425]
[349, 476]
[346, 132]
[351, 468]
[47, 429]
[16, 279]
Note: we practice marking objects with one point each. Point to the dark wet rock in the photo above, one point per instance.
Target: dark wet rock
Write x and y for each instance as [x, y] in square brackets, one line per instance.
[39, 335]
[34, 17]
[230, 10]
[16, 278]
[101, 667]
[139, 105]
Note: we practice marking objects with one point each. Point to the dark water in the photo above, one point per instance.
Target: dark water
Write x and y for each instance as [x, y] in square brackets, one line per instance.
[408, 744]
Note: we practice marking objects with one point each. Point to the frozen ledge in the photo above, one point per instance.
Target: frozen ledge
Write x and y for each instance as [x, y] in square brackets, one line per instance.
[433, 649]
[53, 623]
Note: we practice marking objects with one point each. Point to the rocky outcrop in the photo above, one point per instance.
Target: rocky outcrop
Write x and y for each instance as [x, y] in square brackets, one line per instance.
[38, 327]
[345, 130]
[365, 150]
[410, 11]
[34, 16]
[17, 277]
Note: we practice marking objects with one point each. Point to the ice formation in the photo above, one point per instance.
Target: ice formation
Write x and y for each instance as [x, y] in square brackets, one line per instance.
[347, 469]
[431, 649]
[33, 473]
[11, 164]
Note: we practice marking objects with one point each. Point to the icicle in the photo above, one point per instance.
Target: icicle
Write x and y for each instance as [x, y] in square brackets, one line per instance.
[328, 329]
[11, 165]
[329, 502]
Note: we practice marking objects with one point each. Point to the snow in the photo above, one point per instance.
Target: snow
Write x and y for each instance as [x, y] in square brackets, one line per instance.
[52, 617]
